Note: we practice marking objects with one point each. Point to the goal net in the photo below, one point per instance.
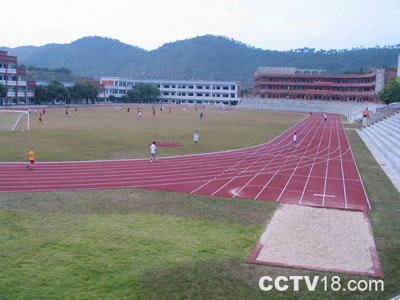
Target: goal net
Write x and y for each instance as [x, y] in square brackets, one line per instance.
[11, 120]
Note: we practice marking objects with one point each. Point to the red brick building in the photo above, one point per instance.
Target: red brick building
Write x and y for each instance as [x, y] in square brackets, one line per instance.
[19, 89]
[292, 83]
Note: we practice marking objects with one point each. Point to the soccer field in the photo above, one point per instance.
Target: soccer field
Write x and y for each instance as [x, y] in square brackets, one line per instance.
[104, 133]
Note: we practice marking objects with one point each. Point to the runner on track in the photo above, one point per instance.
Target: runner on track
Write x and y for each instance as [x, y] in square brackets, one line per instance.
[31, 158]
[295, 137]
[325, 117]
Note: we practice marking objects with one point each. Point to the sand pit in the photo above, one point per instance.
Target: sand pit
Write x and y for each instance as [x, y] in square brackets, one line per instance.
[319, 239]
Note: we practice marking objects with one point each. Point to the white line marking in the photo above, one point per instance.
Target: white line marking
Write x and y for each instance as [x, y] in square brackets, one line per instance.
[325, 195]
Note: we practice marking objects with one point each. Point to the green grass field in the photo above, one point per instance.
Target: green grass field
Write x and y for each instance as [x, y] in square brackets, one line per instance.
[138, 244]
[104, 133]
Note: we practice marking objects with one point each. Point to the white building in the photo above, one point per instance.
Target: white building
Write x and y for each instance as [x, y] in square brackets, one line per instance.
[178, 91]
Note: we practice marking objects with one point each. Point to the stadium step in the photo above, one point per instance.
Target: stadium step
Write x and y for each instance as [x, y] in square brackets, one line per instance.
[389, 130]
[391, 170]
[386, 147]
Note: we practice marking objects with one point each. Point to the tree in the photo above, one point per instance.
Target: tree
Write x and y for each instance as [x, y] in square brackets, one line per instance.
[73, 94]
[124, 99]
[86, 90]
[391, 91]
[3, 93]
[134, 95]
[41, 95]
[144, 92]
[57, 91]
[111, 98]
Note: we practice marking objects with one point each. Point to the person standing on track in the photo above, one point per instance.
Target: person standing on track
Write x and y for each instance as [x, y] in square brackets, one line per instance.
[295, 138]
[325, 117]
[153, 152]
[31, 158]
[196, 137]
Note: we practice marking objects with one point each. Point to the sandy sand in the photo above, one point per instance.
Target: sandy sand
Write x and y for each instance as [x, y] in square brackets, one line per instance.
[318, 238]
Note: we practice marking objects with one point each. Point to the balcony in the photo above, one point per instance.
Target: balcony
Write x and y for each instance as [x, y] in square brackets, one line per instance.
[8, 71]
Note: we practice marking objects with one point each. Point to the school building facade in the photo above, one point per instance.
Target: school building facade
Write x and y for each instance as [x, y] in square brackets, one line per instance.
[292, 83]
[177, 91]
[14, 78]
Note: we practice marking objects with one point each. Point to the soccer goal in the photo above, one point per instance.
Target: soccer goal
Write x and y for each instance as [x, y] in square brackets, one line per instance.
[11, 120]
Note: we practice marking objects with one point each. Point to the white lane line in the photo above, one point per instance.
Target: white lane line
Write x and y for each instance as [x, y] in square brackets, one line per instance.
[312, 165]
[295, 169]
[327, 163]
[301, 124]
[261, 171]
[276, 173]
[325, 195]
[238, 190]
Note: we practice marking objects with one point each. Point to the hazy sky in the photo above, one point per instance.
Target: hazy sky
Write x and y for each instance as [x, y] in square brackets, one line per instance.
[267, 24]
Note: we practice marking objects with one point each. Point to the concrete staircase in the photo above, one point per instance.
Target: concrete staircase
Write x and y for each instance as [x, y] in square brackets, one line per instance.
[353, 110]
[383, 140]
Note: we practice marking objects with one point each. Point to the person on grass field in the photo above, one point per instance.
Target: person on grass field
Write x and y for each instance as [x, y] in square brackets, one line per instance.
[196, 137]
[201, 115]
[40, 120]
[31, 158]
[153, 152]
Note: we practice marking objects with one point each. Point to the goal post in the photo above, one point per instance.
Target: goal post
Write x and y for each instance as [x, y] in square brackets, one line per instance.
[14, 120]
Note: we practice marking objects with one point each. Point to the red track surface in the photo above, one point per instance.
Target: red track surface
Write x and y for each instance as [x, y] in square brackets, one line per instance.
[318, 170]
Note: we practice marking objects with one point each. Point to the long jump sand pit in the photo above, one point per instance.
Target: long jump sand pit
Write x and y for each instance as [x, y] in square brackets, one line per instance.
[319, 239]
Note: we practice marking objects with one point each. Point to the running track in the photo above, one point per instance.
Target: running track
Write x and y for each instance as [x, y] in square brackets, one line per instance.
[318, 170]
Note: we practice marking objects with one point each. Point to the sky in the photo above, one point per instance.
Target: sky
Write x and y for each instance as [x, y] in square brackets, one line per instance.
[148, 24]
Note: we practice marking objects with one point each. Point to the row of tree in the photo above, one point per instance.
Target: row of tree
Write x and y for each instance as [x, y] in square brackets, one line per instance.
[141, 93]
[56, 91]
[86, 91]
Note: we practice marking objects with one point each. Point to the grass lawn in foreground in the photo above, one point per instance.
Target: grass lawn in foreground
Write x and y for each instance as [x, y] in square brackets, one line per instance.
[103, 133]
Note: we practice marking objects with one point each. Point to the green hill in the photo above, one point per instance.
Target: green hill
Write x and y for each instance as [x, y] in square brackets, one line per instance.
[204, 57]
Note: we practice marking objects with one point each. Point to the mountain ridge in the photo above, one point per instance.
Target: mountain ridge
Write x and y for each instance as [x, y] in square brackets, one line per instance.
[206, 57]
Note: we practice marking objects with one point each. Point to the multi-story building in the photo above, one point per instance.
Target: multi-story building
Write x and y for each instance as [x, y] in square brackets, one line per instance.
[295, 83]
[19, 89]
[178, 91]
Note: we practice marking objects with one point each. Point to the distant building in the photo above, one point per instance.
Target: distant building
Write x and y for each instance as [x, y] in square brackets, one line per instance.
[292, 83]
[19, 89]
[178, 91]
